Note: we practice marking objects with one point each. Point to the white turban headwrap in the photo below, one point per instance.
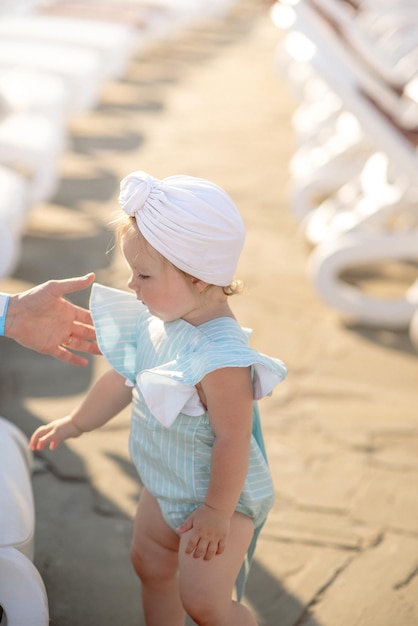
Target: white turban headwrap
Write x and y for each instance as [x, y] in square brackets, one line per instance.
[190, 221]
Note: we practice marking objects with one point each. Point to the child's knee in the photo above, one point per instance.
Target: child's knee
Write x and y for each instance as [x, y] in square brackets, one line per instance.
[200, 608]
[145, 567]
[151, 567]
[136, 559]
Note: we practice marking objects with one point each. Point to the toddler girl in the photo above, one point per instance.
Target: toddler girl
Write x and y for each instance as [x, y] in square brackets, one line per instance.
[178, 354]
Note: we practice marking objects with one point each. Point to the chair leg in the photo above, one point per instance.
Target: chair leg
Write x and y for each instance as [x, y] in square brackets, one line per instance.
[23, 597]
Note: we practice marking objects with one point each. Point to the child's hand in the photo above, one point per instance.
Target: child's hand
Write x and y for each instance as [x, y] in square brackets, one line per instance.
[53, 433]
[209, 531]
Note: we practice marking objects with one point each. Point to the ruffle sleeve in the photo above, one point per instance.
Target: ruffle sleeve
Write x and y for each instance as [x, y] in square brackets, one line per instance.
[115, 316]
[170, 388]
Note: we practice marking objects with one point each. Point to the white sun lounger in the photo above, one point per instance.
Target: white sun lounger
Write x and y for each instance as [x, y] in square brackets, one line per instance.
[22, 592]
[32, 145]
[81, 69]
[115, 43]
[315, 44]
[331, 258]
[14, 192]
[24, 90]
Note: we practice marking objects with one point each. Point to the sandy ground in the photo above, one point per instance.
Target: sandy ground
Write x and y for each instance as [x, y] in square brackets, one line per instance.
[340, 547]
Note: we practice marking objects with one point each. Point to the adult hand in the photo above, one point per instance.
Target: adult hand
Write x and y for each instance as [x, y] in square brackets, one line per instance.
[42, 320]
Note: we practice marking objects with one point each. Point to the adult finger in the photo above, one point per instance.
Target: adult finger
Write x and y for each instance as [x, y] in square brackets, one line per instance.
[62, 354]
[79, 344]
[82, 315]
[83, 331]
[69, 285]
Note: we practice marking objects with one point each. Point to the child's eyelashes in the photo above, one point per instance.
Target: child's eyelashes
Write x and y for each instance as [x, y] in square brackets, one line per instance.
[143, 276]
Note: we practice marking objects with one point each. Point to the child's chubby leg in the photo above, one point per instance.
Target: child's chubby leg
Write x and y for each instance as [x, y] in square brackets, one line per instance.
[154, 556]
[206, 586]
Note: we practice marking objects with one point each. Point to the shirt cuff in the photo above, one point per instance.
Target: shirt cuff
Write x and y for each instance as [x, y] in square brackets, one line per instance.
[4, 303]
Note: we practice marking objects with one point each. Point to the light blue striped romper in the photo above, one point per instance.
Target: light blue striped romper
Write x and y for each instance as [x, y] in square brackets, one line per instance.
[171, 438]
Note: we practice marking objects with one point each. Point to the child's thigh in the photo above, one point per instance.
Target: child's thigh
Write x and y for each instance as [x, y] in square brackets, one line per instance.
[154, 544]
[216, 578]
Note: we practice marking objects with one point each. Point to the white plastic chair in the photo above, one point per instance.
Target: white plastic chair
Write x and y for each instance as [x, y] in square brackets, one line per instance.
[330, 146]
[371, 201]
[81, 69]
[22, 89]
[115, 43]
[22, 592]
[331, 258]
[13, 211]
[17, 518]
[17, 7]
[324, 56]
[413, 329]
[337, 64]
[324, 163]
[33, 145]
[368, 237]
[385, 37]
[33, 136]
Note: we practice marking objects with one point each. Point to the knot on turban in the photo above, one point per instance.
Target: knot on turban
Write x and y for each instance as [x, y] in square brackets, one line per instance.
[135, 190]
[190, 221]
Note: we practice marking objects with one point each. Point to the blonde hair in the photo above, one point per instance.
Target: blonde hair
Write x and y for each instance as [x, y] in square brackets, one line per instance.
[124, 224]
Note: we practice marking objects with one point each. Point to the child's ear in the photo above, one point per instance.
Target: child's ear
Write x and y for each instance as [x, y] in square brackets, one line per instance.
[199, 285]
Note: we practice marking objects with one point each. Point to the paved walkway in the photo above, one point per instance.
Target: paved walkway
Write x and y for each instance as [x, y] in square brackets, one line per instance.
[341, 546]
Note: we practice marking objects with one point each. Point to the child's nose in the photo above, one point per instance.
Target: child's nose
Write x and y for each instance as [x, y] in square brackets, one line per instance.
[132, 284]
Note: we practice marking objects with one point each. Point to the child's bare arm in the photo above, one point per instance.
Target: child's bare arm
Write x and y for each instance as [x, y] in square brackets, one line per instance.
[105, 400]
[229, 398]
